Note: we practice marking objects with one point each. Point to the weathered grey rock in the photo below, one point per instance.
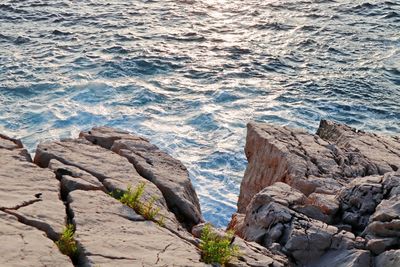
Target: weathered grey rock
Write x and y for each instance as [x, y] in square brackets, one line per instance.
[370, 205]
[114, 171]
[390, 258]
[23, 245]
[167, 173]
[312, 163]
[376, 154]
[276, 219]
[30, 193]
[111, 234]
[73, 178]
[344, 258]
[358, 201]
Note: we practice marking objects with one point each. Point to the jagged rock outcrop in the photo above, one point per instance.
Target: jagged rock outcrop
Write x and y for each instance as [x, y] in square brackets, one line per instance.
[330, 199]
[321, 163]
[167, 173]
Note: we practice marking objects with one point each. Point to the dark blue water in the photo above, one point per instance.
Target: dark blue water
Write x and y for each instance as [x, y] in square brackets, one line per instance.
[189, 74]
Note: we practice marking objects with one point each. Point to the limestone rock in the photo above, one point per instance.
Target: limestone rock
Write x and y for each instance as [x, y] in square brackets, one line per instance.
[321, 163]
[111, 234]
[358, 201]
[279, 154]
[390, 258]
[114, 171]
[9, 143]
[167, 173]
[344, 258]
[275, 218]
[23, 245]
[377, 154]
[30, 193]
[73, 178]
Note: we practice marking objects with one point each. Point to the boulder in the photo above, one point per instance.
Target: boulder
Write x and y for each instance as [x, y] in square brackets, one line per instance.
[112, 234]
[168, 174]
[23, 245]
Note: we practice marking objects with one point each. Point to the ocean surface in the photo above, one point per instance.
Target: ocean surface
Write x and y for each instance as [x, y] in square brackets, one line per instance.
[190, 74]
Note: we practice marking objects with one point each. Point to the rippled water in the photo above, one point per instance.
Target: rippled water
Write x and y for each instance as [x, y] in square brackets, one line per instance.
[189, 74]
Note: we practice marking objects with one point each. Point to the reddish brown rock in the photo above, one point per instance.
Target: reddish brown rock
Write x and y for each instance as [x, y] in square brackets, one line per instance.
[321, 163]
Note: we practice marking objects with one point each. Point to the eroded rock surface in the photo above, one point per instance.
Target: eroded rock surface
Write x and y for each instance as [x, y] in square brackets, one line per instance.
[330, 199]
[23, 245]
[112, 234]
[167, 173]
[30, 193]
[32, 215]
[115, 172]
[321, 163]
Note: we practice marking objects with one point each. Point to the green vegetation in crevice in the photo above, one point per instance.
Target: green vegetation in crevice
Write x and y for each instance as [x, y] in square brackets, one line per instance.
[132, 198]
[67, 244]
[217, 249]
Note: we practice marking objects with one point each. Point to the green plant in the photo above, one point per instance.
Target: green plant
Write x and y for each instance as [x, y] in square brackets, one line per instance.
[148, 211]
[132, 198]
[217, 249]
[67, 244]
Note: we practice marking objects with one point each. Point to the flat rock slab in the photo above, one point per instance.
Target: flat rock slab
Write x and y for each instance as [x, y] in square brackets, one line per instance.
[167, 173]
[113, 170]
[23, 245]
[30, 193]
[111, 234]
[9, 143]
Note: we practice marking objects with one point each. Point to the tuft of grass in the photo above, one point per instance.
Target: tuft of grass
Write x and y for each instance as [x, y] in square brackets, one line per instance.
[132, 198]
[217, 249]
[67, 244]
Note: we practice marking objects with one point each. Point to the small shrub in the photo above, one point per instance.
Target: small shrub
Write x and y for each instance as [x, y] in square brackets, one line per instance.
[148, 211]
[67, 244]
[217, 249]
[132, 198]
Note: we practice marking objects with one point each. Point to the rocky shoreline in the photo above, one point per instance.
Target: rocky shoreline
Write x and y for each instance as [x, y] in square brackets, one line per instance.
[329, 199]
